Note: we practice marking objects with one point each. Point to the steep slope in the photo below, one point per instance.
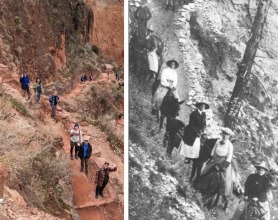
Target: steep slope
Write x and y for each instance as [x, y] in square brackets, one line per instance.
[208, 38]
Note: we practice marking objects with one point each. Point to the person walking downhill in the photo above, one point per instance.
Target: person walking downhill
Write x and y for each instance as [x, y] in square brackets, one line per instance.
[75, 140]
[53, 100]
[84, 154]
[102, 178]
[38, 88]
[190, 145]
[25, 81]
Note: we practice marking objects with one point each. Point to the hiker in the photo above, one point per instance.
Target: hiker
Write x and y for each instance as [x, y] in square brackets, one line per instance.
[168, 81]
[102, 177]
[153, 63]
[24, 80]
[53, 100]
[142, 14]
[190, 145]
[75, 140]
[84, 154]
[38, 88]
[91, 77]
[83, 79]
[170, 3]
[257, 187]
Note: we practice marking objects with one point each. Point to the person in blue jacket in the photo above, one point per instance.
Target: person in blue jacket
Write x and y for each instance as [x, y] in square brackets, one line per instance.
[53, 100]
[25, 81]
[85, 152]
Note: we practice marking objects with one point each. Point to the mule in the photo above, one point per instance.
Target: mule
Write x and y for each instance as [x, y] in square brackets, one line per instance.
[251, 211]
[169, 108]
[212, 186]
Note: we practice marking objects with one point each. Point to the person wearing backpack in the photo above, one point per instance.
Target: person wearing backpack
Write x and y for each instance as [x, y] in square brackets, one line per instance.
[102, 177]
[75, 140]
[38, 89]
[53, 100]
[85, 152]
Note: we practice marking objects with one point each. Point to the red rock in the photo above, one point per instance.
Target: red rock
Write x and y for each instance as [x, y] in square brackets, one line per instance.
[3, 179]
[34, 211]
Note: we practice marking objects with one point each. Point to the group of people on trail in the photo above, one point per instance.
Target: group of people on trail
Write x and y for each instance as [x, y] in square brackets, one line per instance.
[83, 150]
[257, 186]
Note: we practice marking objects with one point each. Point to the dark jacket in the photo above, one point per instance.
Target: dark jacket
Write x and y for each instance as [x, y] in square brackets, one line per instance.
[24, 80]
[100, 175]
[197, 124]
[257, 186]
[143, 14]
[81, 151]
[53, 100]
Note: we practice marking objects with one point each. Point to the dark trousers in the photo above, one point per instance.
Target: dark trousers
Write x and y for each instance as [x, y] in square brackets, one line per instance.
[72, 145]
[99, 189]
[53, 111]
[25, 89]
[84, 162]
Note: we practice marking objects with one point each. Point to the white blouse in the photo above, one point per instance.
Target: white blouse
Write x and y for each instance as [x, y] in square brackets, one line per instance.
[169, 77]
[153, 61]
[223, 149]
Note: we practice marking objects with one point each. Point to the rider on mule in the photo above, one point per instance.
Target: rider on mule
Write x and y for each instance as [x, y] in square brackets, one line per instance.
[168, 81]
[222, 155]
[257, 187]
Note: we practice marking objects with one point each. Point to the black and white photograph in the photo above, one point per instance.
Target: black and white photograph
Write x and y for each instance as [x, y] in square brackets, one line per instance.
[203, 104]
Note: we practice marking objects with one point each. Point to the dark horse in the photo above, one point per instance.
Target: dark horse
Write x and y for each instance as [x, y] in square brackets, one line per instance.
[169, 108]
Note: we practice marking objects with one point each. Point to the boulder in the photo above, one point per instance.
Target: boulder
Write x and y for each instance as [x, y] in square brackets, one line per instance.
[15, 197]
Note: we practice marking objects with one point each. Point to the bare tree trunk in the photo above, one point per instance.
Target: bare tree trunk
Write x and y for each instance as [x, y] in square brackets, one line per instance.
[245, 67]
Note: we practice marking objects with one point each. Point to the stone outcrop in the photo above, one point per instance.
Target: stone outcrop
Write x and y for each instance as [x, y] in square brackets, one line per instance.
[3, 179]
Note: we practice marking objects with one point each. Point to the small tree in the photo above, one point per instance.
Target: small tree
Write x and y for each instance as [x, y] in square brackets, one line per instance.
[244, 70]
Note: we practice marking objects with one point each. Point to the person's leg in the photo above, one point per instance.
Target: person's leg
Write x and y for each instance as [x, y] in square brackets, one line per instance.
[82, 161]
[53, 112]
[38, 96]
[28, 91]
[71, 149]
[86, 165]
[102, 188]
[76, 150]
[98, 188]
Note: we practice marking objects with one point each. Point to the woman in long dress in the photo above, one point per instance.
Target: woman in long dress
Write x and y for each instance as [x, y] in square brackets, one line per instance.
[190, 145]
[222, 155]
[168, 81]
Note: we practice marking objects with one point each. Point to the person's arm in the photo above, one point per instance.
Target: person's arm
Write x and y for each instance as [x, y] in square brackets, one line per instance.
[112, 169]
[247, 186]
[230, 152]
[164, 78]
[89, 150]
[213, 150]
[149, 14]
[80, 137]
[175, 79]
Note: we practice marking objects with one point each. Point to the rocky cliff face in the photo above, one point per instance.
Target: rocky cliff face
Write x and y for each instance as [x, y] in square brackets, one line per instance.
[208, 38]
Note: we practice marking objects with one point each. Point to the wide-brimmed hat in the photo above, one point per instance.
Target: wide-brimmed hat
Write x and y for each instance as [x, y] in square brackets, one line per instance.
[261, 165]
[227, 131]
[169, 62]
[198, 104]
[86, 138]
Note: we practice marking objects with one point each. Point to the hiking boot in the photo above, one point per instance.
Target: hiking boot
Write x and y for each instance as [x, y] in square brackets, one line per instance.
[76, 157]
[71, 157]
[81, 170]
[101, 194]
[86, 172]
[96, 196]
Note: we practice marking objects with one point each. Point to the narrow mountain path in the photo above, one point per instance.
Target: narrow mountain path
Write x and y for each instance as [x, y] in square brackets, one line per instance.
[83, 187]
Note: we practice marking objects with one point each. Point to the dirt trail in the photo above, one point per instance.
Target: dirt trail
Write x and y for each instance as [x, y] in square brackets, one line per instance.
[83, 187]
[164, 27]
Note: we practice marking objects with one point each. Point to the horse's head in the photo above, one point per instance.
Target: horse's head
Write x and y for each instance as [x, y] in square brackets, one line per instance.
[238, 190]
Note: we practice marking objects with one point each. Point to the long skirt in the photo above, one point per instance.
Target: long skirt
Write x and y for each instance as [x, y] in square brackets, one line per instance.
[230, 175]
[190, 151]
[158, 97]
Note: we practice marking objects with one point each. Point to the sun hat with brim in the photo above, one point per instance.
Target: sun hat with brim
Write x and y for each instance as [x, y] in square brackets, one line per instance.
[261, 165]
[106, 163]
[86, 138]
[227, 131]
[169, 62]
[198, 104]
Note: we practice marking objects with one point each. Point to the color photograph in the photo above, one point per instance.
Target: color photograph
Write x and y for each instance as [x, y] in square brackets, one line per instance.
[62, 109]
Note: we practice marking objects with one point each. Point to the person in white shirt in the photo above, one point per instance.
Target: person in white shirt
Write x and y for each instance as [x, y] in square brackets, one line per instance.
[222, 155]
[168, 81]
[75, 140]
[153, 63]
